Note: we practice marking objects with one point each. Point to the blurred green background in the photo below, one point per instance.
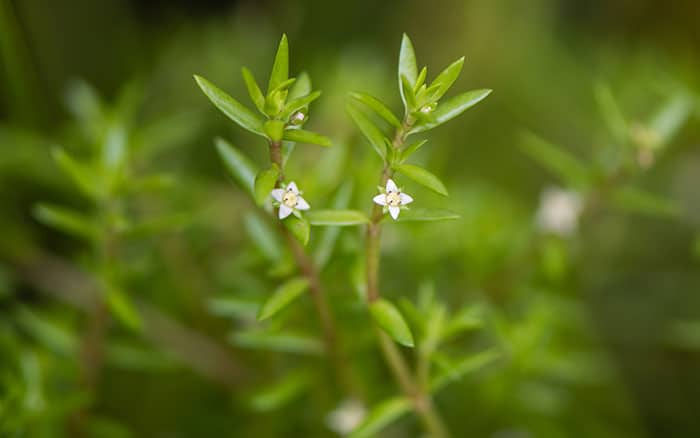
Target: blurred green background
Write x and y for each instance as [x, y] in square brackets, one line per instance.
[598, 329]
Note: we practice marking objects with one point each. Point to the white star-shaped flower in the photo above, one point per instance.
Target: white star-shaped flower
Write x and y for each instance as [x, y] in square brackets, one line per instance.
[392, 199]
[290, 200]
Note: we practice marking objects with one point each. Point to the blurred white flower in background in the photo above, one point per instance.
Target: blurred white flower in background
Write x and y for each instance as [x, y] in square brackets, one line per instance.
[346, 417]
[559, 211]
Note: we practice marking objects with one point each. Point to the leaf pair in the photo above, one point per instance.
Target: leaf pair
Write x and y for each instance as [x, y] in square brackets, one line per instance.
[284, 105]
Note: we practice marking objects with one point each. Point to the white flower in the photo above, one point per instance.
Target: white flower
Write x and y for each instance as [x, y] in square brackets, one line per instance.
[290, 200]
[392, 199]
[346, 417]
[559, 211]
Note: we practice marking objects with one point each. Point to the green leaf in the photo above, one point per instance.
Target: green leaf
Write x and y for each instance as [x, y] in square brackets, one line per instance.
[420, 81]
[233, 308]
[381, 416]
[231, 107]
[378, 107]
[282, 342]
[238, 165]
[254, 90]
[671, 117]
[427, 215]
[557, 161]
[465, 366]
[299, 228]
[371, 132]
[283, 87]
[298, 104]
[280, 68]
[407, 65]
[67, 220]
[337, 217]
[387, 316]
[638, 201]
[82, 176]
[446, 78]
[328, 236]
[274, 396]
[408, 94]
[466, 319]
[451, 108]
[301, 88]
[263, 236]
[264, 183]
[302, 136]
[422, 176]
[282, 297]
[412, 148]
[123, 309]
[611, 112]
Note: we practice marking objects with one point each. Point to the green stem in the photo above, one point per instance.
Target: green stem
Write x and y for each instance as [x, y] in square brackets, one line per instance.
[410, 384]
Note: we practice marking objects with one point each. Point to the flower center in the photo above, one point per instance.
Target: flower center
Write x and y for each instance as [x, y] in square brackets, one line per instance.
[290, 200]
[393, 199]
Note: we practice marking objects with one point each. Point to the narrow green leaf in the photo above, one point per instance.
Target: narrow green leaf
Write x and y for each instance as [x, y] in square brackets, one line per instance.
[301, 88]
[53, 336]
[380, 416]
[254, 90]
[557, 161]
[466, 319]
[298, 104]
[233, 308]
[263, 236]
[451, 108]
[264, 183]
[337, 217]
[420, 81]
[387, 316]
[82, 176]
[408, 94]
[611, 112]
[67, 220]
[412, 148]
[671, 117]
[467, 365]
[446, 78]
[231, 107]
[638, 201]
[283, 86]
[282, 342]
[378, 107]
[282, 297]
[299, 228]
[371, 133]
[280, 68]
[427, 215]
[238, 165]
[407, 65]
[422, 176]
[302, 136]
[276, 395]
[123, 309]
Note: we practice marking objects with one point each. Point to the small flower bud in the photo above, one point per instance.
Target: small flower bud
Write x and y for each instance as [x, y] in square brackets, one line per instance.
[428, 108]
[297, 118]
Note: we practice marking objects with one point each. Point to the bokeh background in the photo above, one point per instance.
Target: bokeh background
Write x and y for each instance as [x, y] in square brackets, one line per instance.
[599, 328]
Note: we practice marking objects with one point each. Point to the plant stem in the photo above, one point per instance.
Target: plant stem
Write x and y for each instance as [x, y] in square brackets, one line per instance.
[422, 403]
[310, 271]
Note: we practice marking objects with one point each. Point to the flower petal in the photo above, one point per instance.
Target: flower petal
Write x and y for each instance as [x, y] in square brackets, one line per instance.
[380, 199]
[292, 187]
[391, 186]
[277, 194]
[394, 212]
[405, 199]
[284, 211]
[302, 204]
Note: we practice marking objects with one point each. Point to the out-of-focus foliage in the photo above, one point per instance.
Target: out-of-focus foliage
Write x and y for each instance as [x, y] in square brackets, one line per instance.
[561, 299]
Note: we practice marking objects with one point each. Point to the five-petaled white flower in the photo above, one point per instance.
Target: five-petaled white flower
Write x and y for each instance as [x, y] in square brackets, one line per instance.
[392, 199]
[290, 200]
